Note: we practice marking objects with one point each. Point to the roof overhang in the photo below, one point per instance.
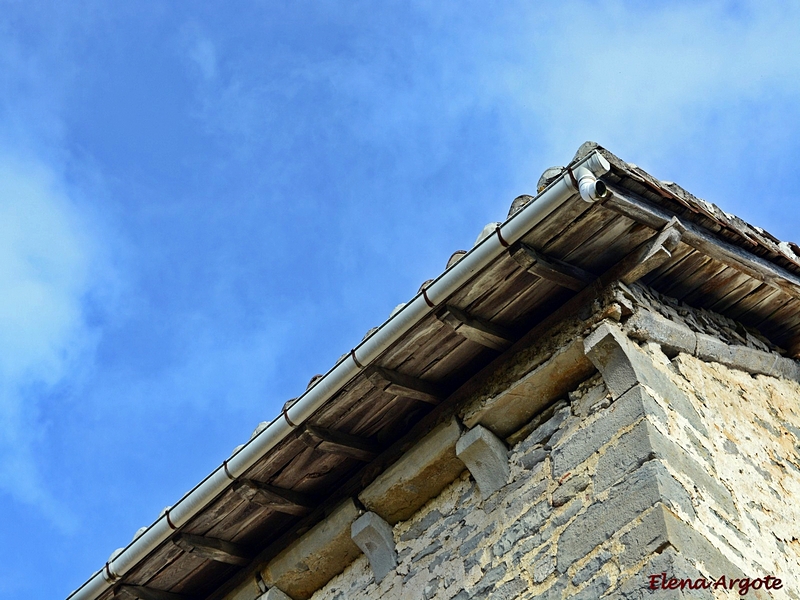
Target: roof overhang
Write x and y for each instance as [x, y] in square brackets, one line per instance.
[560, 248]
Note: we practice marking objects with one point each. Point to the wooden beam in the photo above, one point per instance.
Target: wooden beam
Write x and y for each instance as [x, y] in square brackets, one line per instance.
[648, 256]
[337, 442]
[213, 549]
[278, 499]
[552, 269]
[476, 329]
[630, 205]
[405, 386]
[139, 592]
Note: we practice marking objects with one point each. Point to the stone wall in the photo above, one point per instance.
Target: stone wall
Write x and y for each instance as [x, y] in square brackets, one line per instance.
[681, 455]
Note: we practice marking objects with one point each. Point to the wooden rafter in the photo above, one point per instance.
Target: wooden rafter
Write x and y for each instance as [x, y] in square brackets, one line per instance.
[338, 442]
[213, 549]
[279, 499]
[552, 269]
[405, 386]
[476, 329]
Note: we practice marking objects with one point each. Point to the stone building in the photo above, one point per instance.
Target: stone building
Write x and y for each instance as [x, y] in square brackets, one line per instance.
[599, 400]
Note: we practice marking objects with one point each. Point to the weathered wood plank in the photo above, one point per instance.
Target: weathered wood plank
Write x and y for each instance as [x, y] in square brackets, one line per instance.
[518, 307]
[168, 579]
[682, 279]
[162, 559]
[250, 515]
[557, 222]
[367, 423]
[663, 276]
[745, 285]
[783, 325]
[758, 305]
[419, 336]
[349, 400]
[208, 575]
[459, 354]
[771, 307]
[711, 289]
[418, 358]
[485, 284]
[213, 549]
[476, 329]
[709, 275]
[274, 462]
[607, 244]
[786, 318]
[518, 282]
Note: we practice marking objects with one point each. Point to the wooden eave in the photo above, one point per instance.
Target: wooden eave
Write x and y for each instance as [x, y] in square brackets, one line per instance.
[592, 238]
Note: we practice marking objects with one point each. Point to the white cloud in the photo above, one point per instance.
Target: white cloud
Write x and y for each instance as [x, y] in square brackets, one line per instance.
[47, 266]
[200, 50]
[647, 78]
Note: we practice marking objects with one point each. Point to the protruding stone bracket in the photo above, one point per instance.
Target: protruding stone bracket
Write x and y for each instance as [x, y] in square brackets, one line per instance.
[213, 549]
[374, 537]
[486, 458]
[623, 365]
[338, 442]
[405, 386]
[139, 592]
[476, 329]
[552, 269]
[278, 499]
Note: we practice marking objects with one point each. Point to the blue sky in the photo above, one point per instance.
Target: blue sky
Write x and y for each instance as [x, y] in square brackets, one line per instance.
[203, 205]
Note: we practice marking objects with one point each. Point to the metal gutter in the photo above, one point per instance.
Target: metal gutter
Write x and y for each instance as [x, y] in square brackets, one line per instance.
[580, 178]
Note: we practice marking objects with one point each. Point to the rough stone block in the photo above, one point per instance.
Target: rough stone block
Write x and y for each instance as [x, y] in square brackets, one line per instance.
[576, 447]
[486, 458]
[418, 476]
[660, 528]
[714, 350]
[374, 536]
[318, 555]
[673, 337]
[569, 489]
[533, 457]
[644, 442]
[274, 594]
[648, 485]
[744, 358]
[787, 368]
[515, 405]
[549, 427]
[635, 585]
[596, 588]
[587, 571]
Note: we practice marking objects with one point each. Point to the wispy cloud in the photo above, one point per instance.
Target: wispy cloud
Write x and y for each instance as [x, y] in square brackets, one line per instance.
[200, 50]
[47, 268]
[649, 79]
